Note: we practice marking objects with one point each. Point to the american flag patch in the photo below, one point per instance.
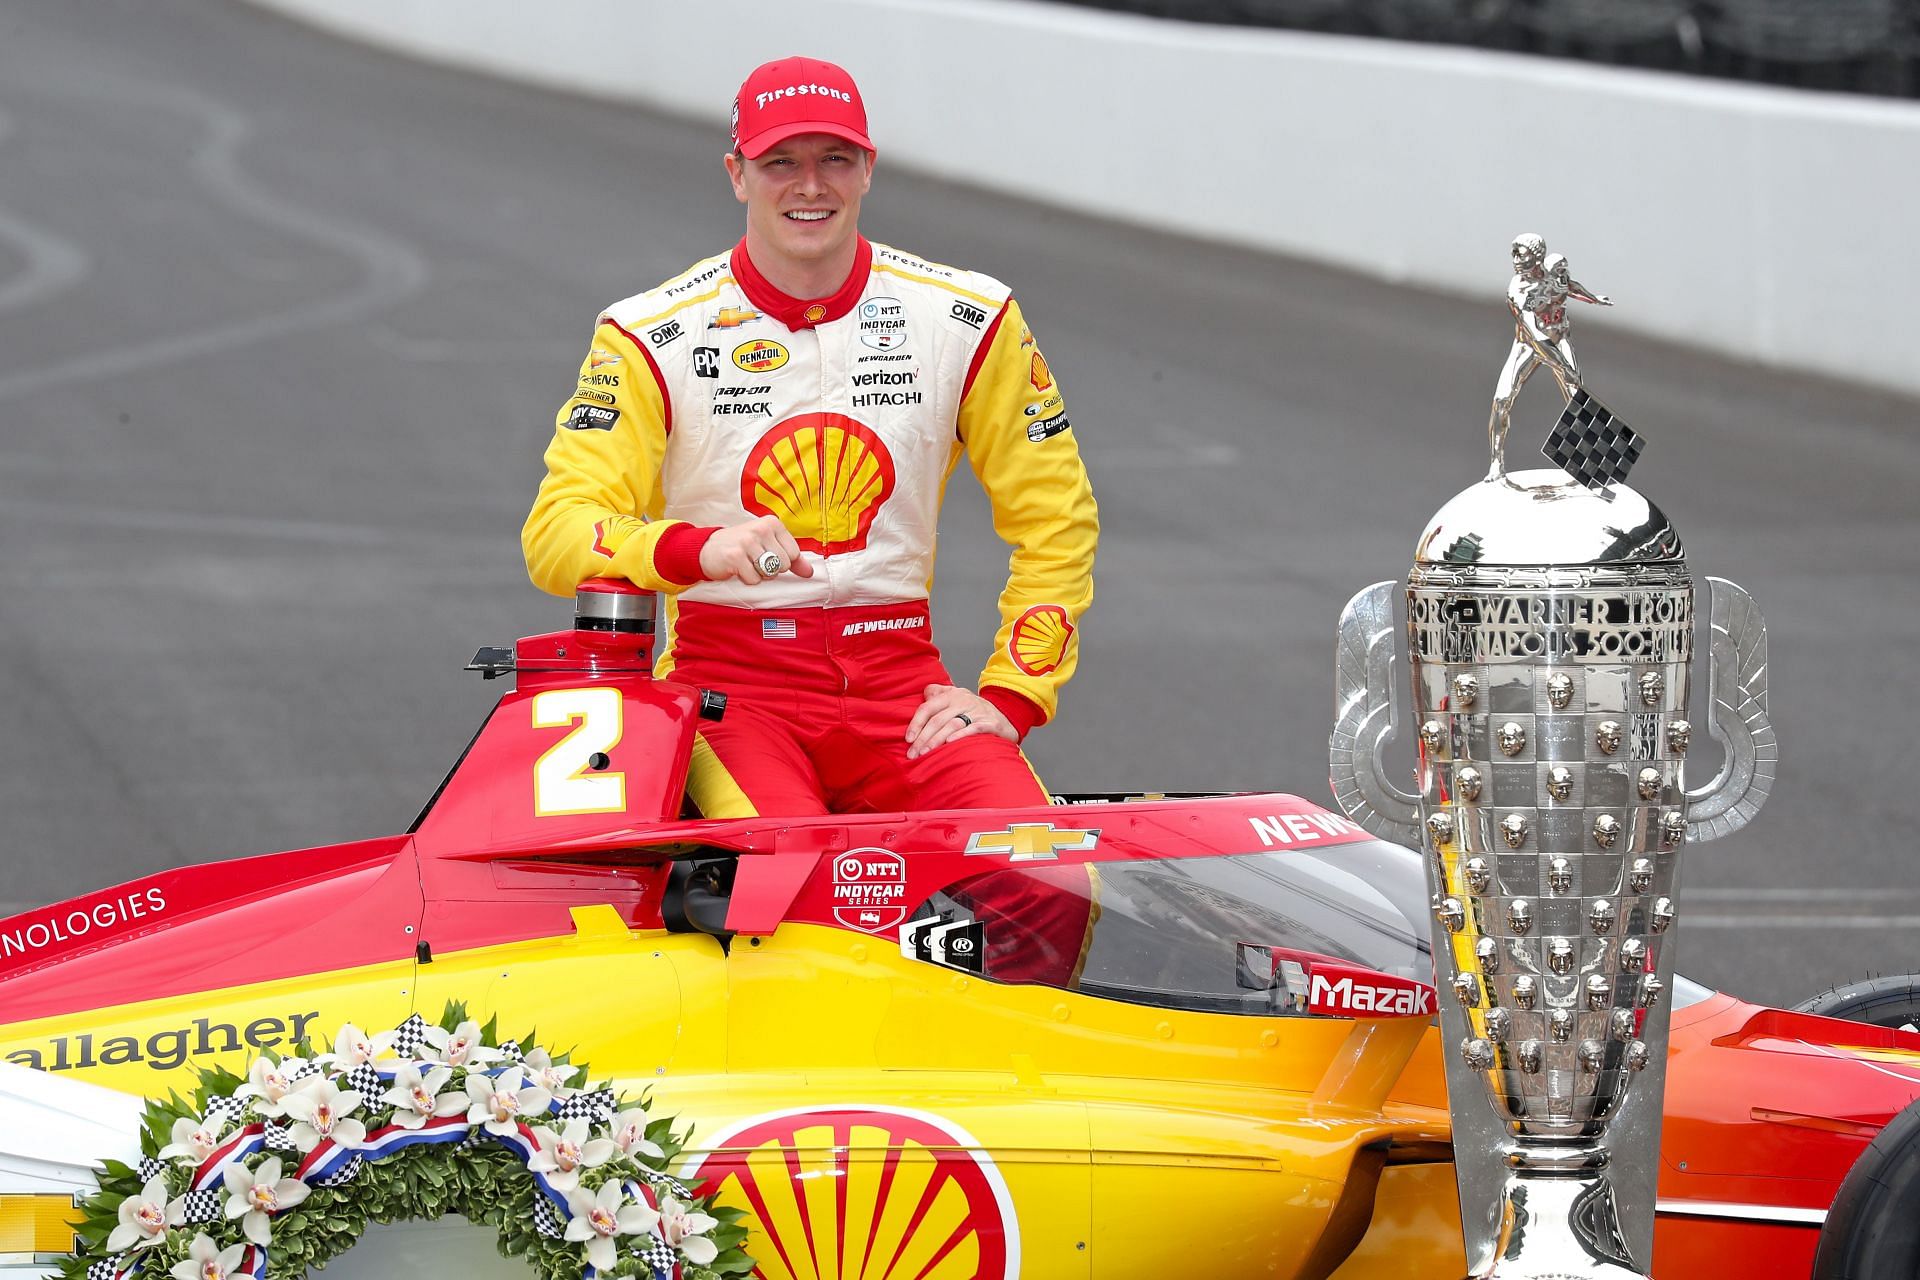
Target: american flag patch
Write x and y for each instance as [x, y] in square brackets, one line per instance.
[779, 629]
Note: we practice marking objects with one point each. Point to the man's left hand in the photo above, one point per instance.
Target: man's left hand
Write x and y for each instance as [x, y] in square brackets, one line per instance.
[946, 713]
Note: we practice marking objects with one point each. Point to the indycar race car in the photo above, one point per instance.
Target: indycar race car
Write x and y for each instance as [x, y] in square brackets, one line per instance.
[1118, 1036]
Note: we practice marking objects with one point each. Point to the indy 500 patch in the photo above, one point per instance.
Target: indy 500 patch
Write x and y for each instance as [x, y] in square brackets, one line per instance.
[591, 417]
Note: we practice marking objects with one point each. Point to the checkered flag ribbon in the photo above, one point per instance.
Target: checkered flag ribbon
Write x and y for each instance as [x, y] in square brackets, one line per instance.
[1590, 444]
[203, 1206]
[106, 1268]
[227, 1109]
[365, 1081]
[301, 1069]
[597, 1106]
[545, 1220]
[345, 1173]
[278, 1135]
[662, 1180]
[149, 1169]
[410, 1035]
[656, 1255]
[510, 1051]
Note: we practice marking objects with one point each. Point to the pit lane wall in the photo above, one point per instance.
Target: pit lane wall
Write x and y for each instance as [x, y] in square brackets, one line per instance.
[1767, 224]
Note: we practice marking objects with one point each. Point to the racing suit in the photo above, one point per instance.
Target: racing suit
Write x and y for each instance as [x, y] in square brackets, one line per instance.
[715, 398]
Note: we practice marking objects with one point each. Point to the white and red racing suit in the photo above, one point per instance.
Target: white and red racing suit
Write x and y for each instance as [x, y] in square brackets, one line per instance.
[714, 399]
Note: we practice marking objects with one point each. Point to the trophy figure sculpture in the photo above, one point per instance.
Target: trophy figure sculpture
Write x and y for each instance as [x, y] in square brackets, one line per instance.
[1550, 636]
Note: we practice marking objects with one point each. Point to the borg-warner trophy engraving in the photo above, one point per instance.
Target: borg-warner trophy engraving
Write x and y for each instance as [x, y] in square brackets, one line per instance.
[1550, 641]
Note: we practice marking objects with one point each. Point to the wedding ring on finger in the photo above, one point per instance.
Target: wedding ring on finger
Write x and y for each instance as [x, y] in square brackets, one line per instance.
[770, 563]
[963, 718]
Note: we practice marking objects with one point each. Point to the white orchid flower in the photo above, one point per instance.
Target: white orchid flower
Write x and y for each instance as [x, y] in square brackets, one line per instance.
[254, 1197]
[549, 1075]
[561, 1156]
[683, 1229]
[269, 1083]
[207, 1261]
[630, 1135]
[143, 1217]
[193, 1139]
[461, 1046]
[351, 1047]
[600, 1219]
[416, 1098]
[499, 1102]
[321, 1112]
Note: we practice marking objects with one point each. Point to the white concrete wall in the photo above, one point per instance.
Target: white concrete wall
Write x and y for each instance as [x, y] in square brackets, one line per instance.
[1768, 224]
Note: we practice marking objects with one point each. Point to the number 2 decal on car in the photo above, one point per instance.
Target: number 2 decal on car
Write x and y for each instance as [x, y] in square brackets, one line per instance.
[565, 779]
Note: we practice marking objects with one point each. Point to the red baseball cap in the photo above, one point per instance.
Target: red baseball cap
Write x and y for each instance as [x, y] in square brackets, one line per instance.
[783, 99]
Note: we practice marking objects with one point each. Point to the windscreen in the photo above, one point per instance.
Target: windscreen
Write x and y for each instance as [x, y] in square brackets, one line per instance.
[1234, 933]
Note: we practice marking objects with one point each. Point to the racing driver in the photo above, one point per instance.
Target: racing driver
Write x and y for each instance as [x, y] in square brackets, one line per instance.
[766, 438]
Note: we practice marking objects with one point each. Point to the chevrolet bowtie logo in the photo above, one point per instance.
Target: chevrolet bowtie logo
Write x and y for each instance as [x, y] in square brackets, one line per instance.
[1032, 841]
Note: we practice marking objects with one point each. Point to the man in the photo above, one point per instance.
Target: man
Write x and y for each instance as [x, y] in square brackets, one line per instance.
[766, 438]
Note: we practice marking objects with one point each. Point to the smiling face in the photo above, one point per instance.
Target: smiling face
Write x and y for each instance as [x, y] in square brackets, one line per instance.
[803, 209]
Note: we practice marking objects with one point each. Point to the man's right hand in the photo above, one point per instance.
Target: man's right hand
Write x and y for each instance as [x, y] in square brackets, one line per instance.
[738, 550]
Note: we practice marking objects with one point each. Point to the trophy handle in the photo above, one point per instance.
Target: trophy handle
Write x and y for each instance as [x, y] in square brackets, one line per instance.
[1365, 707]
[1737, 691]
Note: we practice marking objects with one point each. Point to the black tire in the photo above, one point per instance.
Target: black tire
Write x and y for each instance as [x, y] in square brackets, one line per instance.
[1873, 1230]
[1892, 1001]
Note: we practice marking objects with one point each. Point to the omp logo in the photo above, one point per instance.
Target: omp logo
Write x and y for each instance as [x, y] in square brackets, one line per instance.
[1354, 994]
[661, 334]
[967, 313]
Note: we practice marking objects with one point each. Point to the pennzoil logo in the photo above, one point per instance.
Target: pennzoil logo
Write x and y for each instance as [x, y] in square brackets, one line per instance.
[824, 475]
[881, 1160]
[759, 356]
[1040, 638]
[732, 317]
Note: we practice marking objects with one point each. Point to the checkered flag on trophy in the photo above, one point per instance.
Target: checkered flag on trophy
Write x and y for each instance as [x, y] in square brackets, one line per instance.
[1590, 444]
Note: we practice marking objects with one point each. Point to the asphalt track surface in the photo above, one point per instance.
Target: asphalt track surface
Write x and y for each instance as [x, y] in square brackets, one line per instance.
[283, 323]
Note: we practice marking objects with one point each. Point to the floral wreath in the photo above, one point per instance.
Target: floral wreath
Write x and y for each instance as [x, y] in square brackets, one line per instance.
[273, 1174]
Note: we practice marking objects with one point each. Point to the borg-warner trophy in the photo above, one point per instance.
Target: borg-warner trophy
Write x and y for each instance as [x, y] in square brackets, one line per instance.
[1550, 636]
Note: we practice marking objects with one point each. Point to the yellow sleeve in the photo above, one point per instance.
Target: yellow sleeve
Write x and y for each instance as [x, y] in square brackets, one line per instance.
[1013, 424]
[603, 475]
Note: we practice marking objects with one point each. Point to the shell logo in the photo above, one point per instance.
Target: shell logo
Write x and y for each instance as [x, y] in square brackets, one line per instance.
[759, 356]
[865, 1193]
[1040, 639]
[1038, 374]
[824, 475]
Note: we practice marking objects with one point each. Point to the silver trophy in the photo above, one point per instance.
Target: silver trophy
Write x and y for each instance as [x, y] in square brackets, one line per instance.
[1550, 633]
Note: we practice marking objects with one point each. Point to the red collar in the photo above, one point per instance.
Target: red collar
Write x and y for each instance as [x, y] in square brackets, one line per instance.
[801, 313]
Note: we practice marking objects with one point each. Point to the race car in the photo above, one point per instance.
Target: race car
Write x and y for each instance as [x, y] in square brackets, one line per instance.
[1117, 1036]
